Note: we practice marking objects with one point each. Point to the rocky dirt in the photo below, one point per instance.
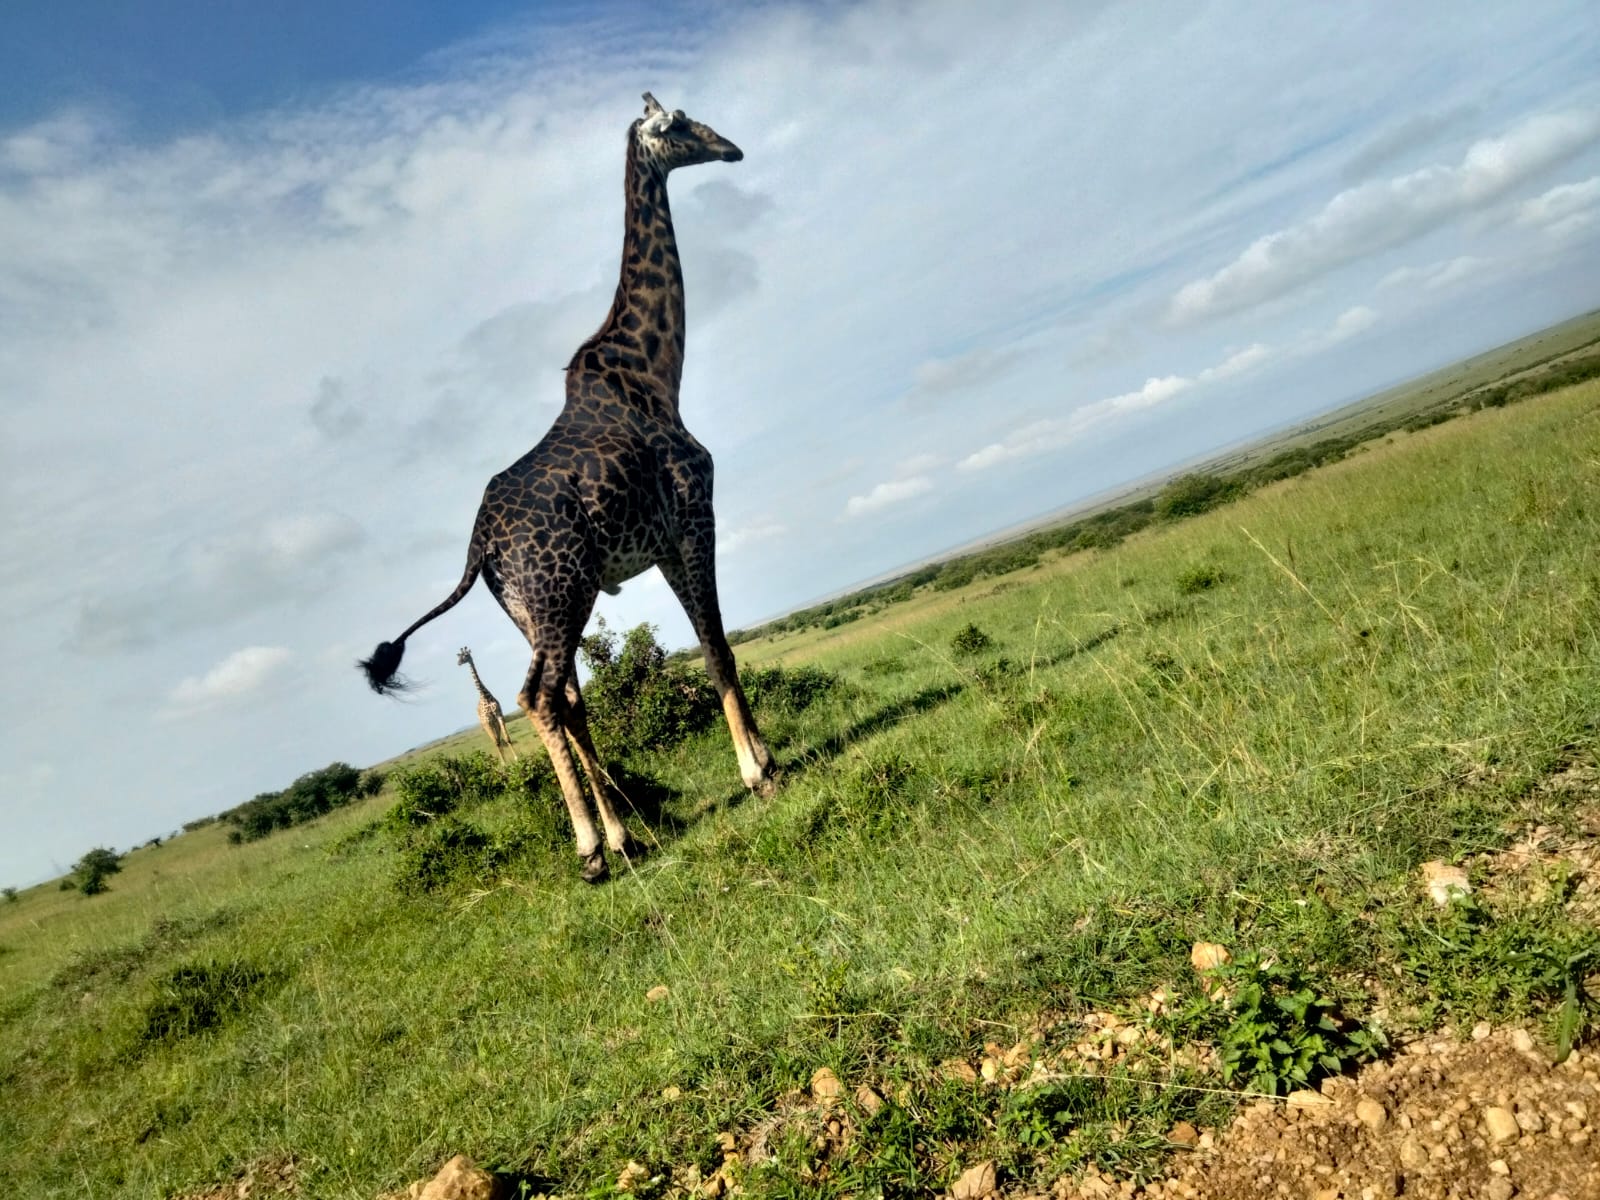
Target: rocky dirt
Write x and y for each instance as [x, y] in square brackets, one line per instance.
[1489, 1118]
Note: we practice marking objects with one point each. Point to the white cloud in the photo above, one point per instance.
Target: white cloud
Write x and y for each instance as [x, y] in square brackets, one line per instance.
[1435, 276]
[1374, 216]
[1564, 210]
[1237, 364]
[885, 495]
[731, 539]
[1054, 433]
[1350, 323]
[236, 677]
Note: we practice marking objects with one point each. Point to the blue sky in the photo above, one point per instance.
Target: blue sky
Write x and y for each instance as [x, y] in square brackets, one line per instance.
[279, 292]
[173, 65]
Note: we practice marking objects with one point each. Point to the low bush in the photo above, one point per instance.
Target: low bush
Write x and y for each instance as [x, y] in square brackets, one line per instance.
[969, 639]
[787, 689]
[307, 798]
[89, 873]
[636, 699]
[436, 787]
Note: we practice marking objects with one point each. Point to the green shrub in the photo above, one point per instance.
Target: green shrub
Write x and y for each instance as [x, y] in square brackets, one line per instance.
[1198, 579]
[637, 700]
[307, 798]
[1275, 1030]
[787, 689]
[969, 639]
[1193, 494]
[91, 871]
[429, 790]
[10, 894]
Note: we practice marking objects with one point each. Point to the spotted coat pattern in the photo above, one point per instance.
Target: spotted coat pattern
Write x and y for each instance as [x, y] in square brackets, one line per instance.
[616, 486]
[489, 714]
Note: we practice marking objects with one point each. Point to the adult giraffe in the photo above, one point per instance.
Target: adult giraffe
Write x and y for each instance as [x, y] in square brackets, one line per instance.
[489, 714]
[617, 485]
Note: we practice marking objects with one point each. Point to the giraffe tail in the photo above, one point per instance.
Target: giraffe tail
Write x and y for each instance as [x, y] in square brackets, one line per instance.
[385, 661]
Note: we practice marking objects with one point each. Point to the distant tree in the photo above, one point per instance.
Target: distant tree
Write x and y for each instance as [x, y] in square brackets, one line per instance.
[92, 870]
[1194, 494]
[10, 894]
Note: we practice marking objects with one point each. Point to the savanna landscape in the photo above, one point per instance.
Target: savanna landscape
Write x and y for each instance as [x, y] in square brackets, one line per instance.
[1242, 842]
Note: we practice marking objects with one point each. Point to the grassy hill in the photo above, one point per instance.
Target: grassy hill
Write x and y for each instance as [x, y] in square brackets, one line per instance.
[1248, 728]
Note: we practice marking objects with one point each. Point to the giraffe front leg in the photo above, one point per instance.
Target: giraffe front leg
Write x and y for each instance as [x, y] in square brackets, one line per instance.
[545, 701]
[505, 736]
[617, 836]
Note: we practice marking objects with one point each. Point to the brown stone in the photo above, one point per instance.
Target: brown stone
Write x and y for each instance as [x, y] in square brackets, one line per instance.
[825, 1084]
[460, 1179]
[1501, 1123]
[975, 1182]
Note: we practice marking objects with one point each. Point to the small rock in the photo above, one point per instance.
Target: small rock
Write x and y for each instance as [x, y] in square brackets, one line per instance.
[1501, 1123]
[975, 1182]
[658, 993]
[632, 1176]
[825, 1084]
[460, 1179]
[1481, 1030]
[1372, 1114]
[671, 1092]
[1413, 1154]
[1184, 1134]
[1325, 1194]
[1498, 1166]
[868, 1101]
[1208, 956]
[1529, 1120]
[1444, 882]
[1499, 1188]
[957, 1071]
[1522, 1041]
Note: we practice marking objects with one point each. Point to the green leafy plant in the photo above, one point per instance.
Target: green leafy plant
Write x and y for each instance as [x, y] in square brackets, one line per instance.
[969, 639]
[1198, 579]
[636, 699]
[1279, 1030]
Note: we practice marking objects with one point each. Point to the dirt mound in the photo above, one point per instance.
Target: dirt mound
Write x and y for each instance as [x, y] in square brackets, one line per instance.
[1491, 1118]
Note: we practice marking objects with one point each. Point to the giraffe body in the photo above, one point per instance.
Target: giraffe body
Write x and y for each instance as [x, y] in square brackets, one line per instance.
[489, 714]
[616, 486]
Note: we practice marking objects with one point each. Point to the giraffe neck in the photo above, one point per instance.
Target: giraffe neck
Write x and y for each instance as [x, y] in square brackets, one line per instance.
[644, 330]
[483, 692]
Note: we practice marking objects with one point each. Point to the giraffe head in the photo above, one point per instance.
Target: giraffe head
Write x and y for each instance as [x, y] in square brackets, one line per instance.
[464, 657]
[670, 139]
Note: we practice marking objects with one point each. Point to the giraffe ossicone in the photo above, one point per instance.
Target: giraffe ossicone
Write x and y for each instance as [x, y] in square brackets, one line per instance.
[616, 486]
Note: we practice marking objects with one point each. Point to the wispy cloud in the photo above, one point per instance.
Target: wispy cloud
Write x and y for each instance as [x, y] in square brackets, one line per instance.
[1375, 216]
[888, 494]
[1055, 433]
[237, 677]
[1434, 276]
[1564, 210]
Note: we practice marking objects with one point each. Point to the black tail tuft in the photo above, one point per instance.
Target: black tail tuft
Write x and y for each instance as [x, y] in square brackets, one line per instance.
[381, 667]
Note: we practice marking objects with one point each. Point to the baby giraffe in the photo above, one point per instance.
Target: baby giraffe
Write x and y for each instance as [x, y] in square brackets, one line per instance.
[489, 715]
[616, 486]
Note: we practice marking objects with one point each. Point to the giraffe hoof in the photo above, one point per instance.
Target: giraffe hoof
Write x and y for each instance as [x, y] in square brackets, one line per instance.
[594, 867]
[767, 786]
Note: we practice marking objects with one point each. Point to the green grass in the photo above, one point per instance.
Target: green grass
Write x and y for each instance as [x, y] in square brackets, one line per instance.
[1249, 727]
